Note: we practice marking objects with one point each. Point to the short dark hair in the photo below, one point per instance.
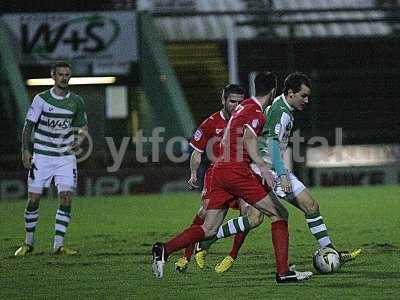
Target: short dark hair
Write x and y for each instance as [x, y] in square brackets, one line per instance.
[232, 89]
[59, 64]
[294, 81]
[264, 83]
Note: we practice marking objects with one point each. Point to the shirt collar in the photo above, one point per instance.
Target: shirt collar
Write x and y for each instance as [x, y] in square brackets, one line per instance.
[291, 108]
[58, 97]
[256, 101]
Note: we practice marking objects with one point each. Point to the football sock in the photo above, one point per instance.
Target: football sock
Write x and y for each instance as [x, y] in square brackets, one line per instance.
[280, 241]
[63, 217]
[190, 235]
[197, 220]
[233, 226]
[237, 243]
[318, 229]
[31, 219]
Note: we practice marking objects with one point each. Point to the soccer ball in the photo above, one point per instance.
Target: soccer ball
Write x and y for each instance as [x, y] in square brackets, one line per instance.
[326, 260]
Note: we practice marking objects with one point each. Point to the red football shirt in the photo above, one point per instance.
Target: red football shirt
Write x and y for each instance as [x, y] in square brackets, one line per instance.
[249, 114]
[209, 135]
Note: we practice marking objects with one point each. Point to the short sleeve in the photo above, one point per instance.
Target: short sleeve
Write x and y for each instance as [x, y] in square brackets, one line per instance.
[278, 127]
[80, 118]
[255, 122]
[201, 136]
[277, 122]
[35, 110]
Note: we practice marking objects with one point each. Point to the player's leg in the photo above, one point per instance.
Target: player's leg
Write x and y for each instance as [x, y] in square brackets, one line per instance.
[31, 220]
[182, 263]
[278, 214]
[213, 220]
[63, 219]
[234, 226]
[302, 199]
[65, 180]
[244, 183]
[316, 224]
[314, 220]
[39, 176]
[245, 210]
[194, 233]
[217, 208]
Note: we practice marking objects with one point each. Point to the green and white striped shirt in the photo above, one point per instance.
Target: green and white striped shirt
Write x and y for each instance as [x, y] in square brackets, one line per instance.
[279, 125]
[55, 118]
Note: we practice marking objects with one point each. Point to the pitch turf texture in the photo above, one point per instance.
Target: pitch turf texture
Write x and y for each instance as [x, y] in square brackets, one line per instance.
[114, 236]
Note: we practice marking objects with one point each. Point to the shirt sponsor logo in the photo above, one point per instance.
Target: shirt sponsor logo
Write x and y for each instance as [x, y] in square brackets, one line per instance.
[57, 124]
[197, 135]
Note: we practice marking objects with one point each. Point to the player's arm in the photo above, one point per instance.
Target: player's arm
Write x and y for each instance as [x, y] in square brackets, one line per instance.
[26, 144]
[199, 143]
[276, 157]
[195, 160]
[80, 126]
[32, 117]
[278, 165]
[250, 144]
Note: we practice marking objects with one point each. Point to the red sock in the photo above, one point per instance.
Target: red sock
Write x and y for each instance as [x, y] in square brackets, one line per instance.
[197, 220]
[237, 243]
[280, 241]
[192, 234]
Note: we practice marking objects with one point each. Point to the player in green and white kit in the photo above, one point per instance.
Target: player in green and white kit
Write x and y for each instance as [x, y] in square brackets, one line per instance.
[58, 119]
[276, 133]
[272, 145]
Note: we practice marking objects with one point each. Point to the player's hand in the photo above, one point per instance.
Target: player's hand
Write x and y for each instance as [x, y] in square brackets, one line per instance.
[192, 182]
[74, 146]
[26, 159]
[267, 177]
[285, 184]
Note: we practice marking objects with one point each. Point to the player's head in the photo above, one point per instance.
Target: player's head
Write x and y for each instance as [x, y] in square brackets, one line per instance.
[232, 95]
[265, 84]
[297, 90]
[61, 73]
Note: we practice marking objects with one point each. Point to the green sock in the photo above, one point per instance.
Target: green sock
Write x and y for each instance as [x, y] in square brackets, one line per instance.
[318, 229]
[63, 217]
[232, 227]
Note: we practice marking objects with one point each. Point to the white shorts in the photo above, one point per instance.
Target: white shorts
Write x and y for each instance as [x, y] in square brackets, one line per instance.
[297, 185]
[45, 168]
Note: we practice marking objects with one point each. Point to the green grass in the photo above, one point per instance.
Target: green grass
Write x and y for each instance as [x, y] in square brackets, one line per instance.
[114, 236]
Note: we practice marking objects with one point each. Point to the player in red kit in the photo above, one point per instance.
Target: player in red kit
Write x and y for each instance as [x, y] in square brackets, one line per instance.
[232, 178]
[206, 139]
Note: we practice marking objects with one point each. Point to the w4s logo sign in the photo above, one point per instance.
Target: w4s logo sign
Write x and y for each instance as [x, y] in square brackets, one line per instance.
[81, 36]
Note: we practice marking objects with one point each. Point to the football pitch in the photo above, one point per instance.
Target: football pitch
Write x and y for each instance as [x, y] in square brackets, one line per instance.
[114, 236]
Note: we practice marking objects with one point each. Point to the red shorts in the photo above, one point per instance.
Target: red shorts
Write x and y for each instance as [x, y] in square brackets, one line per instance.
[231, 181]
[205, 194]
